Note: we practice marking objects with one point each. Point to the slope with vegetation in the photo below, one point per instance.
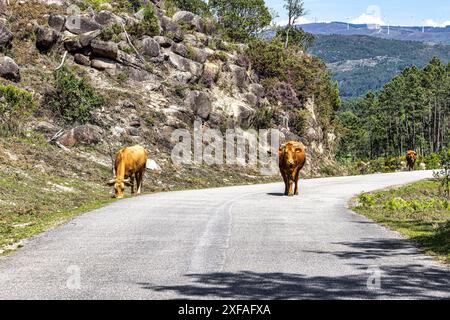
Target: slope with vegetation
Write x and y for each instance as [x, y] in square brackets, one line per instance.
[364, 63]
[132, 72]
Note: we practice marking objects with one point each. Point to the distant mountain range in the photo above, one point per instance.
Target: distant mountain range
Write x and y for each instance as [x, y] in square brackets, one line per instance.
[423, 34]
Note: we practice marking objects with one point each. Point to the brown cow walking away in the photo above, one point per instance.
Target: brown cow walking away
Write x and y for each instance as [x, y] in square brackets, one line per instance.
[292, 158]
[411, 157]
[130, 165]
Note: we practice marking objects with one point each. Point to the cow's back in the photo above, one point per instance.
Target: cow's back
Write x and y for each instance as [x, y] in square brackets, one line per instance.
[132, 158]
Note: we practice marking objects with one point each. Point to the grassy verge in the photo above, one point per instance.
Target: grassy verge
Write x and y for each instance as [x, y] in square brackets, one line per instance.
[418, 211]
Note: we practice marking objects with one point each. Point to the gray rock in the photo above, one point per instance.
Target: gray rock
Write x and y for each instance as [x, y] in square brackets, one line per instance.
[180, 49]
[106, 18]
[140, 75]
[46, 127]
[9, 69]
[104, 49]
[85, 134]
[251, 99]
[150, 47]
[184, 17]
[134, 132]
[134, 121]
[185, 65]
[81, 24]
[86, 38]
[45, 38]
[200, 103]
[6, 37]
[199, 55]
[239, 74]
[56, 22]
[257, 90]
[164, 42]
[184, 77]
[73, 44]
[81, 59]
[168, 25]
[103, 64]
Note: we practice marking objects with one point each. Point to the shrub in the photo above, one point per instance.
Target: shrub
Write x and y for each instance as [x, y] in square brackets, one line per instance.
[266, 57]
[367, 200]
[433, 161]
[15, 106]
[195, 6]
[73, 98]
[301, 121]
[149, 25]
[240, 20]
[396, 204]
[263, 118]
[111, 33]
[281, 91]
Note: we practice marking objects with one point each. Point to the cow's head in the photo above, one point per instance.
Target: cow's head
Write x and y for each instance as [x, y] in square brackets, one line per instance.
[288, 154]
[119, 186]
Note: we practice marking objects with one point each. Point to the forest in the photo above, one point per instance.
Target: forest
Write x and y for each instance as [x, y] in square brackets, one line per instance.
[412, 111]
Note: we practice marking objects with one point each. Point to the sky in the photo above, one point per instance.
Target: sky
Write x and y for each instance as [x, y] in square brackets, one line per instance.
[385, 12]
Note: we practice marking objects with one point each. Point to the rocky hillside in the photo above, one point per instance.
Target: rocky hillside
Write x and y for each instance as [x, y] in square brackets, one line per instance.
[79, 82]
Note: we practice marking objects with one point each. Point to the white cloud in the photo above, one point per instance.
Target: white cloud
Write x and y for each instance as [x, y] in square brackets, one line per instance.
[301, 20]
[370, 17]
[432, 23]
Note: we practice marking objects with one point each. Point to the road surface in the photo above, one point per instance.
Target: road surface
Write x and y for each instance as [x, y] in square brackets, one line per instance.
[246, 242]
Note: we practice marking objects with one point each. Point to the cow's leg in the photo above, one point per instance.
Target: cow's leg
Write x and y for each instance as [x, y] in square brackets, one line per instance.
[140, 180]
[291, 182]
[296, 182]
[286, 183]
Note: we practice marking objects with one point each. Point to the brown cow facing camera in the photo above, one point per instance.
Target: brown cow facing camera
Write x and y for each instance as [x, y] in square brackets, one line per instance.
[130, 165]
[411, 157]
[292, 158]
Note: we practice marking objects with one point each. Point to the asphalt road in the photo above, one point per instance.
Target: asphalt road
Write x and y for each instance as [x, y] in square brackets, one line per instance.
[246, 242]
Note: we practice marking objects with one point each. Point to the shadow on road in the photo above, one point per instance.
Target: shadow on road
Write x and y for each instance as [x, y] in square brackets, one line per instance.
[276, 194]
[408, 280]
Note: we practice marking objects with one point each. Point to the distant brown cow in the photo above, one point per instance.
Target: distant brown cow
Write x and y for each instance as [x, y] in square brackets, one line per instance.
[411, 157]
[292, 158]
[130, 165]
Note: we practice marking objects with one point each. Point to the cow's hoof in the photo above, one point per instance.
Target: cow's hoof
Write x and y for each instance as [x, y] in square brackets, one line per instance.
[290, 195]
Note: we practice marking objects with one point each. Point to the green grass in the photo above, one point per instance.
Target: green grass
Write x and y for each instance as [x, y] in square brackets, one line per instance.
[418, 211]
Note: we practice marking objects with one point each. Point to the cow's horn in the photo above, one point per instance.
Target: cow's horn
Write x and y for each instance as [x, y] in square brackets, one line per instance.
[111, 182]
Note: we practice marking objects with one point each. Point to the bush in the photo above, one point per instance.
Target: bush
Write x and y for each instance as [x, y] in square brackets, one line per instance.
[266, 57]
[73, 98]
[111, 33]
[263, 118]
[367, 200]
[433, 161]
[149, 25]
[195, 6]
[240, 20]
[15, 106]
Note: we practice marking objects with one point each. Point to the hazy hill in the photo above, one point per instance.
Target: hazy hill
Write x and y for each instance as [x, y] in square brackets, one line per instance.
[413, 33]
[363, 63]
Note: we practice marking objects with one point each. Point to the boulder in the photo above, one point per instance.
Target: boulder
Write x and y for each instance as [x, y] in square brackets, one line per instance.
[6, 37]
[104, 49]
[200, 103]
[184, 17]
[184, 64]
[257, 90]
[86, 38]
[9, 69]
[239, 74]
[180, 49]
[163, 42]
[210, 74]
[81, 59]
[150, 47]
[85, 134]
[199, 55]
[103, 64]
[168, 25]
[56, 22]
[73, 44]
[106, 18]
[81, 24]
[184, 77]
[251, 99]
[45, 38]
